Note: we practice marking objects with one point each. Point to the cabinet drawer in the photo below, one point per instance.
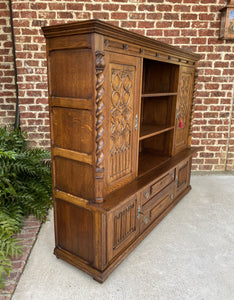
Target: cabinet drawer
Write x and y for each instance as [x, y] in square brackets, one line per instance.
[156, 205]
[157, 186]
[162, 183]
[160, 207]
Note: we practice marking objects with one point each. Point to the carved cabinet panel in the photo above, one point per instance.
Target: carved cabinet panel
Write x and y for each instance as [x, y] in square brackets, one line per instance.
[123, 226]
[183, 108]
[122, 116]
[183, 176]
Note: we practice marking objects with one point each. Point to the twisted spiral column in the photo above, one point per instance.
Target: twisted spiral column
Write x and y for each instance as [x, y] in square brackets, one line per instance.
[100, 66]
[192, 108]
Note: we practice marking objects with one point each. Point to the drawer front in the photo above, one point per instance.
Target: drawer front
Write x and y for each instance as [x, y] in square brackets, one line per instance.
[156, 205]
[157, 186]
[162, 183]
[159, 208]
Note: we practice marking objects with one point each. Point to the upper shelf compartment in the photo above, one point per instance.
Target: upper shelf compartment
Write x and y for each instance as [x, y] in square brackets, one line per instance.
[159, 78]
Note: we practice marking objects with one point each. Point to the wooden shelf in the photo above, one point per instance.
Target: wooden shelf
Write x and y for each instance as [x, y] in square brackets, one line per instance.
[149, 160]
[158, 95]
[147, 131]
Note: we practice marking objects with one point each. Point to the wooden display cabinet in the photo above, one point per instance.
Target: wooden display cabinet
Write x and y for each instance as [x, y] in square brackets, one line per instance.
[120, 115]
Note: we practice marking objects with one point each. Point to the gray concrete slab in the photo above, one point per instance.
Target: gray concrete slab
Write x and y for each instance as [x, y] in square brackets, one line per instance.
[189, 255]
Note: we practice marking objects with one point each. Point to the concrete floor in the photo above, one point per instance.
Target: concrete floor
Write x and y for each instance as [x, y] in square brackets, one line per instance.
[189, 255]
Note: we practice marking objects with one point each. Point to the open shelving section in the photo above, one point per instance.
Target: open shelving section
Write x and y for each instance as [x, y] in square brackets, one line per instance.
[157, 121]
[148, 131]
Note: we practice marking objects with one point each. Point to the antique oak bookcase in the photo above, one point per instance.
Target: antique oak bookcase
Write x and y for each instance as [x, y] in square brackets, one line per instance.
[120, 114]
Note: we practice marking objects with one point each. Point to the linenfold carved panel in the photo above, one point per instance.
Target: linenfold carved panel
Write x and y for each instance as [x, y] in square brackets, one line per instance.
[124, 224]
[182, 176]
[121, 120]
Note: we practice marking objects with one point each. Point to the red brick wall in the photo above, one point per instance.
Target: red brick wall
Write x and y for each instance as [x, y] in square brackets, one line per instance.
[7, 79]
[190, 24]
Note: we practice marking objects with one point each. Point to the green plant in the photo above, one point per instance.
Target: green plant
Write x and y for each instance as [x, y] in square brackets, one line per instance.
[25, 188]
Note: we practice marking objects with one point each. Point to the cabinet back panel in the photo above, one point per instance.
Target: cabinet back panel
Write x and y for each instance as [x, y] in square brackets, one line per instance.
[75, 229]
[157, 111]
[73, 177]
[158, 143]
[71, 73]
[72, 129]
[159, 77]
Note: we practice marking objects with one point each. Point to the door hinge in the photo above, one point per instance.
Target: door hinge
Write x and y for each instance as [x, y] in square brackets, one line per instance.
[139, 213]
[136, 123]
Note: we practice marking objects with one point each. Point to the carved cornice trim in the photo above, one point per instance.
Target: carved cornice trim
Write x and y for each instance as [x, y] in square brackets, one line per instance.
[109, 30]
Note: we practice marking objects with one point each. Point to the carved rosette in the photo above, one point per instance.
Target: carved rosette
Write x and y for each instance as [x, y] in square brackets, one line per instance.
[192, 107]
[100, 66]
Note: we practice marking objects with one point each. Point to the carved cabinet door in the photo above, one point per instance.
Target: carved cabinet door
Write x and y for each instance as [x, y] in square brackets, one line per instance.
[183, 109]
[122, 110]
[122, 227]
[183, 176]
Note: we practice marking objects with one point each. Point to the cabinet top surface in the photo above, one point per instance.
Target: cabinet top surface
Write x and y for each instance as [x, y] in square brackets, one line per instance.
[111, 31]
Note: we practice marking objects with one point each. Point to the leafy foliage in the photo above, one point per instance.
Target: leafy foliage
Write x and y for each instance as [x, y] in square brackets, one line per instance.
[25, 188]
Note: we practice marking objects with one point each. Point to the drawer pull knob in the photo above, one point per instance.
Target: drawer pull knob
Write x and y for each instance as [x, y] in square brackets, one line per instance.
[171, 196]
[145, 220]
[146, 194]
[172, 175]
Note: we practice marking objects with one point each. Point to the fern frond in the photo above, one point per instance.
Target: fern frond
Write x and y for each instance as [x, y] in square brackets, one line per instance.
[25, 188]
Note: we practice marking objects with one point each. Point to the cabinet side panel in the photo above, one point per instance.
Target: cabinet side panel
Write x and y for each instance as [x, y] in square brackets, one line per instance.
[73, 177]
[75, 229]
[72, 129]
[70, 42]
[71, 73]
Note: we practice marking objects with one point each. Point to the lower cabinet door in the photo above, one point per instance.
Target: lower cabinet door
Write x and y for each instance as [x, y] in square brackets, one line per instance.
[123, 227]
[156, 205]
[183, 176]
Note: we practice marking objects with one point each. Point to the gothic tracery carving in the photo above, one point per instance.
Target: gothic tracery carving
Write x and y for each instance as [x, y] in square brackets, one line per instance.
[121, 123]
